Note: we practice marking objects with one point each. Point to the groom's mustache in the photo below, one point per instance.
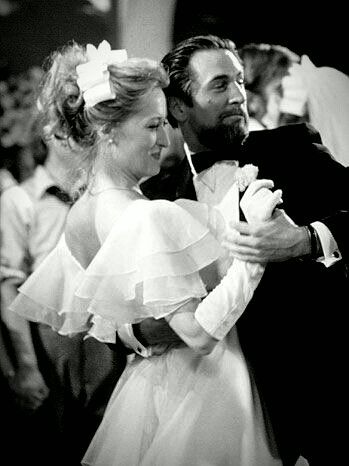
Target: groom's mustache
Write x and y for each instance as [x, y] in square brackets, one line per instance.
[233, 112]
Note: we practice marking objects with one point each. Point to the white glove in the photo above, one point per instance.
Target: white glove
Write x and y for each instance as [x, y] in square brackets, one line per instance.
[258, 202]
[220, 310]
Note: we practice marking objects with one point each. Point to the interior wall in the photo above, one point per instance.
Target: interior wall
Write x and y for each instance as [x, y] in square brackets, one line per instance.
[145, 27]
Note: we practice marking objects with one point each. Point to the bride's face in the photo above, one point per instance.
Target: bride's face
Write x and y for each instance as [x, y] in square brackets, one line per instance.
[142, 137]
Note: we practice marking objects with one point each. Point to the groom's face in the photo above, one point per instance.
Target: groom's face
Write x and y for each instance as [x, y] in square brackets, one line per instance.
[219, 113]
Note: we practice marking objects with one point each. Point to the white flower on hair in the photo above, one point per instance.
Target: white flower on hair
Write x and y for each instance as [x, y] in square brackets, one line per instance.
[104, 54]
[245, 175]
[93, 76]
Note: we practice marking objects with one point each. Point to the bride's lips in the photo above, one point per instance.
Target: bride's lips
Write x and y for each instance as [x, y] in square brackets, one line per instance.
[156, 155]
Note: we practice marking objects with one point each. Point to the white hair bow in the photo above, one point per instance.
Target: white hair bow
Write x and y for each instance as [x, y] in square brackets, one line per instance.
[93, 76]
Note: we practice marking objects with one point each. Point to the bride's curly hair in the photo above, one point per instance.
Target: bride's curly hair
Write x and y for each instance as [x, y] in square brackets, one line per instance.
[62, 104]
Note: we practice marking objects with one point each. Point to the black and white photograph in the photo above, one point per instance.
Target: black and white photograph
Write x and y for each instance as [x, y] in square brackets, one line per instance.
[174, 233]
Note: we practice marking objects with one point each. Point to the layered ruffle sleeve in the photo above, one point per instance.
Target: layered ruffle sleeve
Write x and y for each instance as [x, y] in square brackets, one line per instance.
[148, 266]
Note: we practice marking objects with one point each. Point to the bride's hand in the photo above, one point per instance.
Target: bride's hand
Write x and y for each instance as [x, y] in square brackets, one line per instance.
[259, 202]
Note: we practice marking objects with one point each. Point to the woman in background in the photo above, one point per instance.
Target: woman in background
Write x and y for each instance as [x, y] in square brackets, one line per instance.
[265, 66]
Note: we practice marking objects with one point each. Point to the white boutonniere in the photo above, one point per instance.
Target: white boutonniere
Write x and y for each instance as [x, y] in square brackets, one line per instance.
[245, 175]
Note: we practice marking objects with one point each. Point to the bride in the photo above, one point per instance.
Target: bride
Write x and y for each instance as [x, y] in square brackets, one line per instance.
[124, 258]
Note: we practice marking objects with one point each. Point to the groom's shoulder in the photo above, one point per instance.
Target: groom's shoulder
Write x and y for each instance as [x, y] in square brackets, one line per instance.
[285, 135]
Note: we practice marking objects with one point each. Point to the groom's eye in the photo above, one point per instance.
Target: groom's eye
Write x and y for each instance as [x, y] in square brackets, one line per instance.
[220, 84]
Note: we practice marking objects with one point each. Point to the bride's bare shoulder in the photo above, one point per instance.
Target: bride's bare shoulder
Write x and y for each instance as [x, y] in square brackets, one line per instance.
[110, 207]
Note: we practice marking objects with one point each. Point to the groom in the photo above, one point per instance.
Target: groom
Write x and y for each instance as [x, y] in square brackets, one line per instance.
[293, 332]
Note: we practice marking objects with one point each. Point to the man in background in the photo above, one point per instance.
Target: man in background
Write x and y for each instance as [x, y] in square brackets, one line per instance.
[57, 386]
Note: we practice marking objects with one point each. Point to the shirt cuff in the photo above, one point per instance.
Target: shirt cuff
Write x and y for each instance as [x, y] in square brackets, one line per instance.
[331, 253]
[126, 335]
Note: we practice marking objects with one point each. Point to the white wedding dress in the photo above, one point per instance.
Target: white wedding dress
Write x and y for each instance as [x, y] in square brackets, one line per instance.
[176, 409]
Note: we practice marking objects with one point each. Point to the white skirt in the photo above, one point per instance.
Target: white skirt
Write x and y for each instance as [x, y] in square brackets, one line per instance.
[180, 409]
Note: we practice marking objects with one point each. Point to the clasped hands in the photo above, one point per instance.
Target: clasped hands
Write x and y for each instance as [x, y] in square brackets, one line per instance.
[269, 235]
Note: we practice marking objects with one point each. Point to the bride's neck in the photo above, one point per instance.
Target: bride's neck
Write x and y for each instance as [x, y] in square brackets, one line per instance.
[114, 180]
[57, 171]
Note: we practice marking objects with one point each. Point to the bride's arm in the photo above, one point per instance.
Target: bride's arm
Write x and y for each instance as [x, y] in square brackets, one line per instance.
[202, 324]
[188, 329]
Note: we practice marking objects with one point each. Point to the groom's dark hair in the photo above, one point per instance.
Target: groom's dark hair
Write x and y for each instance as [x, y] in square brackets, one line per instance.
[176, 63]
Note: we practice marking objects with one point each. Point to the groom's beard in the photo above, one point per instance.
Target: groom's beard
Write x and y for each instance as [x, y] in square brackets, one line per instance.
[224, 136]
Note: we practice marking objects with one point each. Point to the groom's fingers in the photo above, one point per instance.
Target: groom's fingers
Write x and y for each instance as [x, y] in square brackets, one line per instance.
[243, 228]
[246, 252]
[235, 239]
[236, 250]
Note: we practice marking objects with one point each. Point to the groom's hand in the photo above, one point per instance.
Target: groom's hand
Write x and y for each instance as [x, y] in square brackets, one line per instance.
[155, 332]
[275, 240]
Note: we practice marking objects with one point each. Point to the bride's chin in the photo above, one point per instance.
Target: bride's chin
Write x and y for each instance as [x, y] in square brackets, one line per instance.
[152, 171]
[156, 168]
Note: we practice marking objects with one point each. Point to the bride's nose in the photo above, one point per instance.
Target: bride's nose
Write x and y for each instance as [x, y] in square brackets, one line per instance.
[162, 137]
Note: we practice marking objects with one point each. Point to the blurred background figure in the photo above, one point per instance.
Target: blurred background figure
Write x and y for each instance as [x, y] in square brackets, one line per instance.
[283, 88]
[18, 141]
[21, 145]
[6, 177]
[325, 92]
[52, 387]
[265, 66]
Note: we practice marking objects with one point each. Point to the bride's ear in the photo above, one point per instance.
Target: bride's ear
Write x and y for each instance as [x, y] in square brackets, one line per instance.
[177, 109]
[111, 138]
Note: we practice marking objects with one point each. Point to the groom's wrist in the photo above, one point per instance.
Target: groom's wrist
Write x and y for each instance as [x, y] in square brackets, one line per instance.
[314, 249]
[302, 247]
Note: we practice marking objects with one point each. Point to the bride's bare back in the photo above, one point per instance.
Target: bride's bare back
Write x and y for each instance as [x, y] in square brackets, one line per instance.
[91, 218]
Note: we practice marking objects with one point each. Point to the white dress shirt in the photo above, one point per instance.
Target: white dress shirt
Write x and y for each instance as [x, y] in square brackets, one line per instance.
[212, 184]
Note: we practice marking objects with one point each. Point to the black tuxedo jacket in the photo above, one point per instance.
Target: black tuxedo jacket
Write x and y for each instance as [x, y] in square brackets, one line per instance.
[293, 331]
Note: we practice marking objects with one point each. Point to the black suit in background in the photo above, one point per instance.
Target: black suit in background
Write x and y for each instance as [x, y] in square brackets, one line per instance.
[293, 333]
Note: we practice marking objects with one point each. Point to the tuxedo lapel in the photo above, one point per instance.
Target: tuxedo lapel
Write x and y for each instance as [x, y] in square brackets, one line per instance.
[185, 186]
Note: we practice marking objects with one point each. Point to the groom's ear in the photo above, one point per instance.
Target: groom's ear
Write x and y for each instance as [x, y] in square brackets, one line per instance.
[178, 109]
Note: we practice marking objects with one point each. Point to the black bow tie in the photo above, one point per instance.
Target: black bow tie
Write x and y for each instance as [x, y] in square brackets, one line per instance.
[60, 194]
[204, 160]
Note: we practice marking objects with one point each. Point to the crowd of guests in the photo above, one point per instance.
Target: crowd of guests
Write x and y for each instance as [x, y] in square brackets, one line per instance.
[206, 326]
